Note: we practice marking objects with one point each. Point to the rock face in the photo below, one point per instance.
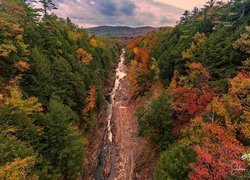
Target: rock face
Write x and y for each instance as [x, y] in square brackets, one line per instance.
[116, 151]
[95, 139]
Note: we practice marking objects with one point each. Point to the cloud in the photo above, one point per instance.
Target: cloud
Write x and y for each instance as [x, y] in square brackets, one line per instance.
[185, 4]
[128, 8]
[89, 13]
[107, 7]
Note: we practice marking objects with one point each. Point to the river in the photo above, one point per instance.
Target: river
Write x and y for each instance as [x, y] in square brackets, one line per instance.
[107, 142]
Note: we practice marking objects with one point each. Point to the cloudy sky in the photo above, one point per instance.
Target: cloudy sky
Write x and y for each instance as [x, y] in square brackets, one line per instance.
[134, 13]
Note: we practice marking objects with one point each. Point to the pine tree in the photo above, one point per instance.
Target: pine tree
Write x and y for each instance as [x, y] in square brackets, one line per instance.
[47, 5]
[185, 16]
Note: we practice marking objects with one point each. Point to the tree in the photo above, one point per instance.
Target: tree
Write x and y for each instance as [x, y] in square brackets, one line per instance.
[47, 5]
[17, 103]
[222, 60]
[199, 39]
[174, 162]
[91, 100]
[232, 108]
[61, 142]
[217, 150]
[195, 11]
[18, 169]
[244, 42]
[38, 81]
[17, 157]
[155, 122]
[142, 69]
[83, 56]
[13, 50]
[132, 75]
[190, 94]
[185, 16]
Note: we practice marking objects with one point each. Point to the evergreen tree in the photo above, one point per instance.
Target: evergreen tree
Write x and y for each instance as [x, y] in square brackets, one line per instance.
[174, 162]
[47, 5]
[185, 16]
[61, 142]
[155, 122]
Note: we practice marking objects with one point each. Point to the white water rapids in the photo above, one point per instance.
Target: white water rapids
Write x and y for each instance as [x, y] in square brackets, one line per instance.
[106, 144]
[119, 76]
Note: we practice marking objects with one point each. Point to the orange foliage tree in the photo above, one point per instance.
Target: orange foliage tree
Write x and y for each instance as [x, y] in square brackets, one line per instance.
[83, 56]
[93, 42]
[143, 69]
[91, 100]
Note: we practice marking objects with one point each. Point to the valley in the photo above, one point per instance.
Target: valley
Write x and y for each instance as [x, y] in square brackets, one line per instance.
[120, 103]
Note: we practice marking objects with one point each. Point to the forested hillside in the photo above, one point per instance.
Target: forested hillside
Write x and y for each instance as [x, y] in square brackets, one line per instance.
[178, 109]
[120, 32]
[193, 83]
[51, 79]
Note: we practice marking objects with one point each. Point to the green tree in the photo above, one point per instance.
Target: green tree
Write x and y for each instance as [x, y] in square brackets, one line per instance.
[155, 121]
[47, 5]
[38, 81]
[174, 162]
[61, 142]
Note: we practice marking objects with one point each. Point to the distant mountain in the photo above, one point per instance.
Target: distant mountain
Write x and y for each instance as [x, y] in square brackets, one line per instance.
[122, 32]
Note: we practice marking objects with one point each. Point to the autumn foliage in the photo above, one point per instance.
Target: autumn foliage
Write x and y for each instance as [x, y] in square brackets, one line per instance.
[143, 69]
[91, 100]
[217, 151]
[51, 76]
[19, 169]
[206, 112]
[84, 56]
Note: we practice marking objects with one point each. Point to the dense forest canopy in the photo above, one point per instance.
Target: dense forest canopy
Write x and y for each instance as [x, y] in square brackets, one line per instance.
[200, 123]
[191, 82]
[51, 79]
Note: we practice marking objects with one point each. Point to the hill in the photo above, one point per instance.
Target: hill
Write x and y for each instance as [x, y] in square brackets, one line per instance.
[123, 32]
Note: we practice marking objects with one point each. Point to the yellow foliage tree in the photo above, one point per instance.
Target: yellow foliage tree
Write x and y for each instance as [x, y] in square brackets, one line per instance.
[239, 90]
[135, 50]
[244, 42]
[74, 36]
[199, 38]
[132, 75]
[233, 108]
[188, 53]
[15, 100]
[18, 169]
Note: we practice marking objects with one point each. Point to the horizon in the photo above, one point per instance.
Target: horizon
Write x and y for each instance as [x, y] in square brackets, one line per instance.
[153, 13]
[135, 27]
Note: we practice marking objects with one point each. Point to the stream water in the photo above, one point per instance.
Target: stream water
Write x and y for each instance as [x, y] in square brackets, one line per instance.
[107, 142]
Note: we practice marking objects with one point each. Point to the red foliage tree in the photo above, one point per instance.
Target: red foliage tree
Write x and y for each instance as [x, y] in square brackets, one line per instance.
[218, 152]
[190, 95]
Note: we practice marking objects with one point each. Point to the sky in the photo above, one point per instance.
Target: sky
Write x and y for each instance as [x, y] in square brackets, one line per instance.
[133, 13]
